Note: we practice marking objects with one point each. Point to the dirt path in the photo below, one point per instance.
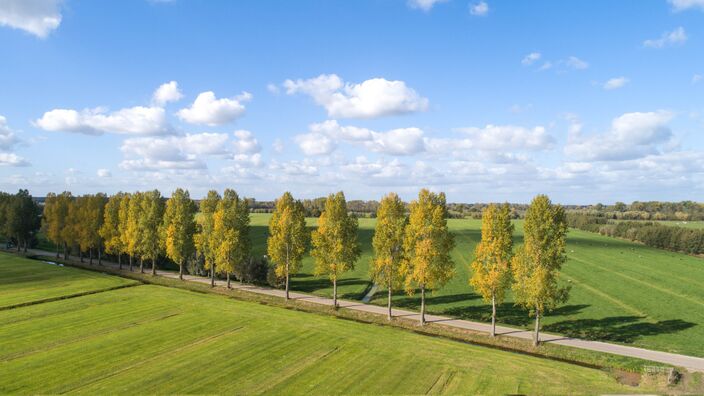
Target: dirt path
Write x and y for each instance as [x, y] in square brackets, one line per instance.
[689, 362]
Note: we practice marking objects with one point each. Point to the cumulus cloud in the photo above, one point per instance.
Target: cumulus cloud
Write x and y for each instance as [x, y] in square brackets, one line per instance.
[137, 120]
[12, 159]
[376, 97]
[166, 93]
[402, 141]
[681, 5]
[479, 9]
[315, 144]
[172, 152]
[667, 39]
[38, 17]
[425, 5]
[209, 110]
[575, 63]
[246, 143]
[505, 138]
[8, 137]
[103, 173]
[615, 83]
[631, 136]
[531, 58]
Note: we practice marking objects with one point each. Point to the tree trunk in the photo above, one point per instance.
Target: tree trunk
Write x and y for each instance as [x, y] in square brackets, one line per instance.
[65, 251]
[25, 246]
[80, 254]
[100, 256]
[228, 279]
[389, 300]
[90, 255]
[288, 276]
[119, 260]
[212, 276]
[130, 263]
[334, 292]
[18, 245]
[493, 316]
[180, 270]
[57, 250]
[141, 265]
[154, 266]
[422, 305]
[536, 336]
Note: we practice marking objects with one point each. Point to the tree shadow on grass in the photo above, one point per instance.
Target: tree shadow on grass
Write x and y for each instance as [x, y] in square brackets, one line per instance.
[310, 284]
[624, 329]
[508, 313]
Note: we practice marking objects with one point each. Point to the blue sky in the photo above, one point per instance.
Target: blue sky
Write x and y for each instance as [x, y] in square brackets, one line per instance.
[490, 100]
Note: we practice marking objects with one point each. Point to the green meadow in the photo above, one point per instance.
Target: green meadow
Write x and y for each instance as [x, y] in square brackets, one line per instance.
[622, 292]
[153, 339]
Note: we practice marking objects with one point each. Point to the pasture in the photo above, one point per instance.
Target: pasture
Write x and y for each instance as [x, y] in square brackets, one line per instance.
[153, 339]
[622, 292]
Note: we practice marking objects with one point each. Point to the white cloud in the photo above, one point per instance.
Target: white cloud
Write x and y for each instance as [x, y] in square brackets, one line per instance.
[38, 17]
[507, 137]
[479, 9]
[576, 63]
[372, 98]
[531, 58]
[8, 138]
[545, 66]
[295, 168]
[675, 37]
[172, 152]
[425, 5]
[246, 143]
[273, 89]
[402, 141]
[681, 5]
[334, 130]
[12, 159]
[632, 136]
[278, 146]
[166, 93]
[209, 110]
[137, 120]
[615, 83]
[103, 173]
[697, 78]
[315, 144]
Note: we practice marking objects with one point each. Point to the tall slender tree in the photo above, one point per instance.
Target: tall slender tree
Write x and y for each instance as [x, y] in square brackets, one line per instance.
[55, 218]
[288, 237]
[335, 246]
[427, 245]
[178, 228]
[232, 244]
[205, 236]
[151, 217]
[536, 266]
[491, 267]
[132, 235]
[123, 227]
[22, 218]
[71, 229]
[92, 216]
[110, 230]
[388, 244]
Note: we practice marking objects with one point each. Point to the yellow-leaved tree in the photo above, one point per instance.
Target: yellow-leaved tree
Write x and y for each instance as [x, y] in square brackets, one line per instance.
[288, 237]
[110, 230]
[536, 265]
[123, 217]
[335, 247]
[55, 218]
[231, 231]
[205, 237]
[491, 267]
[388, 244]
[427, 244]
[178, 228]
[132, 236]
[151, 216]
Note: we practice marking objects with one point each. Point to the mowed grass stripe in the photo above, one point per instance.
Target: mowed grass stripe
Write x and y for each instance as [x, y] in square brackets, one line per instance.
[605, 296]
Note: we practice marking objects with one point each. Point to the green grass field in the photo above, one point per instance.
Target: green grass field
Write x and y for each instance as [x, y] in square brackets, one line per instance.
[26, 283]
[621, 291]
[153, 339]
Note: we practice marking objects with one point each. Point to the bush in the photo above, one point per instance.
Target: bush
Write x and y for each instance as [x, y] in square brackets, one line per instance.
[254, 270]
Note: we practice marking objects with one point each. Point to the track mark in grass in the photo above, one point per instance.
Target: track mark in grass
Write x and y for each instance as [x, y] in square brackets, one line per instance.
[45, 347]
[442, 382]
[650, 285]
[65, 297]
[197, 342]
[299, 367]
[605, 296]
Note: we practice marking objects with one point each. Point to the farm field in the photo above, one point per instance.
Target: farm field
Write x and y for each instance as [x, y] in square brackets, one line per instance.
[24, 281]
[621, 291]
[153, 339]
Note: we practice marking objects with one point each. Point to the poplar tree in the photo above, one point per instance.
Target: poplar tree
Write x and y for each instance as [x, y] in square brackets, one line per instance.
[232, 244]
[151, 217]
[388, 244]
[71, 229]
[427, 245]
[110, 230]
[132, 235]
[91, 208]
[124, 217]
[205, 237]
[537, 264]
[335, 246]
[491, 266]
[22, 218]
[55, 218]
[288, 237]
[178, 228]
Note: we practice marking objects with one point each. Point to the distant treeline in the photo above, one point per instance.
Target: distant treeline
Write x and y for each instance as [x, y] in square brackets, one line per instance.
[673, 238]
[653, 210]
[20, 217]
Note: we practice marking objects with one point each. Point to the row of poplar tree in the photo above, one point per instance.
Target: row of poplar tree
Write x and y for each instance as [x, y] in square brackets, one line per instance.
[412, 243]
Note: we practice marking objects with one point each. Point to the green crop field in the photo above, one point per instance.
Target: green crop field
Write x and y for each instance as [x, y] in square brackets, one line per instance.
[621, 291]
[25, 283]
[153, 339]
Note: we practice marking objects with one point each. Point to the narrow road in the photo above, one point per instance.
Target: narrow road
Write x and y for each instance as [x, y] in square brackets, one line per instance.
[689, 362]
